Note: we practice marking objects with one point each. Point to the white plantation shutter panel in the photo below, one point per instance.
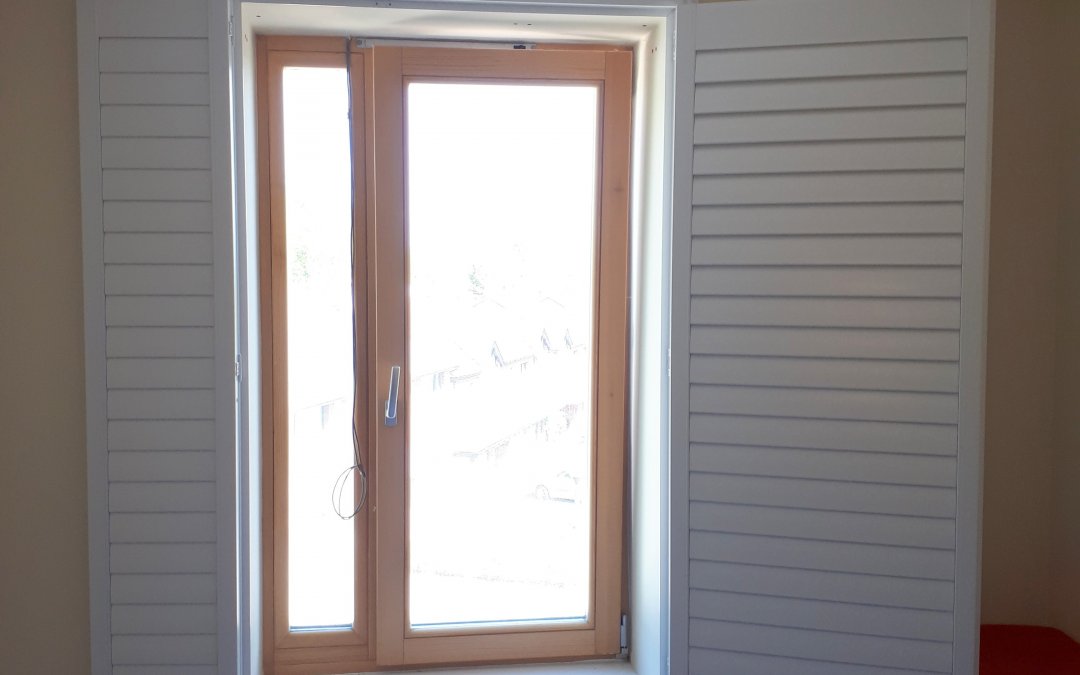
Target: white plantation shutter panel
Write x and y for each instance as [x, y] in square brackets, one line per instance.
[152, 190]
[823, 329]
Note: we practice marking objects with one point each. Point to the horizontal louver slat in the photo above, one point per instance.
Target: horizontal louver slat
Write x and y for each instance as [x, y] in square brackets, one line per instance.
[835, 465]
[849, 187]
[823, 645]
[158, 216]
[896, 437]
[152, 18]
[174, 497]
[155, 89]
[159, 342]
[164, 670]
[834, 313]
[159, 404]
[712, 661]
[164, 184]
[863, 219]
[831, 125]
[170, 373]
[704, 661]
[779, 23]
[152, 589]
[162, 466]
[913, 624]
[902, 155]
[163, 528]
[166, 121]
[815, 94]
[155, 153]
[843, 343]
[864, 589]
[801, 280]
[142, 249]
[162, 619]
[159, 280]
[825, 373]
[150, 55]
[162, 558]
[162, 310]
[833, 60]
[824, 495]
[920, 250]
[827, 556]
[824, 404]
[161, 435]
[159, 310]
[185, 650]
[859, 528]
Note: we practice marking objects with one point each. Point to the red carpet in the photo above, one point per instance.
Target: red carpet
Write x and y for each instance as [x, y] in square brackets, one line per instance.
[1027, 650]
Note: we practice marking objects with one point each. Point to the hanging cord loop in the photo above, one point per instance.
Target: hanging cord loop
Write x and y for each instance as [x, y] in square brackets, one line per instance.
[357, 468]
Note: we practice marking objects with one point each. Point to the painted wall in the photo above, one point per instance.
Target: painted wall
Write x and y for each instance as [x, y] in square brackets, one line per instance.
[1066, 537]
[44, 620]
[1031, 515]
[1020, 369]
[43, 577]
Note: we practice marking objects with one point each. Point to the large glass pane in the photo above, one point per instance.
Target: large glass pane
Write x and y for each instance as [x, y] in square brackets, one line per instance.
[320, 359]
[501, 240]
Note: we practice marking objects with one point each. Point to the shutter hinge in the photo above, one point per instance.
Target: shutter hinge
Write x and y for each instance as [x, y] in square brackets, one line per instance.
[230, 27]
[624, 635]
[238, 369]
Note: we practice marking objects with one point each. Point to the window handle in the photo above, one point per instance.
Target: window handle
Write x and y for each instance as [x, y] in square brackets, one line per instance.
[390, 418]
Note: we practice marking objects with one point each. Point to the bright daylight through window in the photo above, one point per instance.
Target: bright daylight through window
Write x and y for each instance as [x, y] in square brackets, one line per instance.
[444, 280]
[500, 349]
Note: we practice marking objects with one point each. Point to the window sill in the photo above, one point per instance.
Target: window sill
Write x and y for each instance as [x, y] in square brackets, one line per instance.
[613, 667]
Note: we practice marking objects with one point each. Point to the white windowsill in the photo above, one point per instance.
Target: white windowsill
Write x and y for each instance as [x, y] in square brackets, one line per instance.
[614, 667]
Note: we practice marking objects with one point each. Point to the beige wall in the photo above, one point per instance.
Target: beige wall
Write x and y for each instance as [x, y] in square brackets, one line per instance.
[1031, 529]
[1022, 309]
[1066, 537]
[44, 616]
[43, 566]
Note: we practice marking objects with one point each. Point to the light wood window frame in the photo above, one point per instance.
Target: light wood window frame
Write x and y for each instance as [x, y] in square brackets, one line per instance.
[285, 651]
[382, 637]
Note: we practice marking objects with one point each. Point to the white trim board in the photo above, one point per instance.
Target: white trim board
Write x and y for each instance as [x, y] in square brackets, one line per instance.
[97, 480]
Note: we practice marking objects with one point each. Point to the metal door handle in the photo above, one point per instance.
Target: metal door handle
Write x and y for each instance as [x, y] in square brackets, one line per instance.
[390, 418]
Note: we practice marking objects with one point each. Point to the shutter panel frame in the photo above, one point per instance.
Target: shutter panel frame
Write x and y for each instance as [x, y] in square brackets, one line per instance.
[712, 287]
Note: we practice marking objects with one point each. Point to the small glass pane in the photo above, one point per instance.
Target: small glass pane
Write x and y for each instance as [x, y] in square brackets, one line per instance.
[320, 359]
[501, 242]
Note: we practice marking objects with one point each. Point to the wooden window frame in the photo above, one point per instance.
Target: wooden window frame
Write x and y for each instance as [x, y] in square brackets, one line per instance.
[285, 651]
[381, 637]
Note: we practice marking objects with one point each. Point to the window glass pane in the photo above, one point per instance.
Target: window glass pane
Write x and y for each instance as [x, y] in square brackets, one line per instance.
[502, 207]
[320, 358]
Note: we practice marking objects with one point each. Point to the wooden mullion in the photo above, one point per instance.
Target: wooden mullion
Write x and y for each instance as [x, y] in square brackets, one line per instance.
[389, 167]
